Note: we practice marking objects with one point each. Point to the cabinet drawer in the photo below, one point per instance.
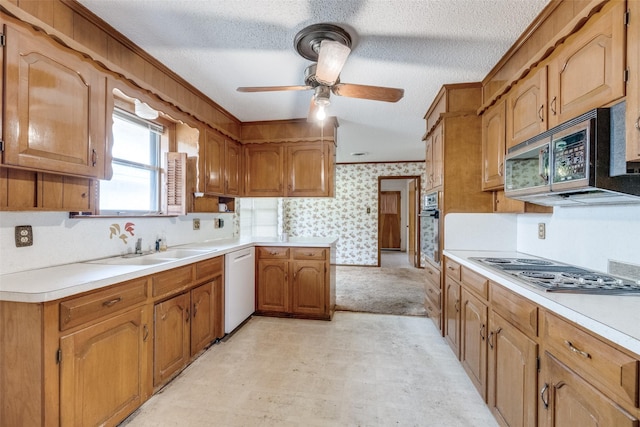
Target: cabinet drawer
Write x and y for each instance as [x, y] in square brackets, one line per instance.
[609, 369]
[433, 275]
[209, 268]
[89, 307]
[434, 295]
[476, 282]
[452, 269]
[171, 280]
[273, 252]
[309, 253]
[519, 311]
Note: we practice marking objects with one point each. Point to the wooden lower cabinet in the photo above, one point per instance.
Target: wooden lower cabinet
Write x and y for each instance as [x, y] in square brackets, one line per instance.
[308, 288]
[566, 399]
[171, 351]
[512, 374]
[452, 314]
[473, 345]
[272, 281]
[103, 370]
[296, 282]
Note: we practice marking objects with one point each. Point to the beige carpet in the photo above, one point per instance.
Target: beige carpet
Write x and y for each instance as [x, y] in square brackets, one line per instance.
[382, 290]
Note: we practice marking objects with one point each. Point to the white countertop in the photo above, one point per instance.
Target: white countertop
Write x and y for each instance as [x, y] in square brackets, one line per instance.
[52, 283]
[614, 317]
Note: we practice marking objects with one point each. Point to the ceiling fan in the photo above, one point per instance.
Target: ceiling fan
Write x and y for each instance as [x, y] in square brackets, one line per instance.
[328, 46]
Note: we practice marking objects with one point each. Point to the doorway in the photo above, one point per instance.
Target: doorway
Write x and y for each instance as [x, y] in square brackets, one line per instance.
[398, 208]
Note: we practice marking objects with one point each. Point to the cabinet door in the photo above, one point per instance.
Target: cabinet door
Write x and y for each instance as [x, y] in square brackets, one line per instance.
[69, 193]
[102, 375]
[633, 85]
[54, 107]
[438, 156]
[273, 285]
[171, 338]
[202, 317]
[308, 170]
[214, 163]
[512, 374]
[264, 171]
[526, 107]
[429, 162]
[308, 287]
[473, 346]
[232, 168]
[452, 314]
[493, 146]
[568, 400]
[587, 71]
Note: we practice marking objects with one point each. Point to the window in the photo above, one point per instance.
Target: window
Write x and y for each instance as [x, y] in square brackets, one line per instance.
[135, 185]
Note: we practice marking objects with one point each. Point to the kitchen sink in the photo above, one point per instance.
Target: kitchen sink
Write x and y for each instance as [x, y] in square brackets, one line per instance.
[152, 258]
[140, 260]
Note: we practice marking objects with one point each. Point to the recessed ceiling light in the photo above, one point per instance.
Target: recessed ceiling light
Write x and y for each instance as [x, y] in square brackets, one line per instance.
[358, 154]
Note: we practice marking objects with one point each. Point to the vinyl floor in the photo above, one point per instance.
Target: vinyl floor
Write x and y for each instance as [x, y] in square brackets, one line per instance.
[359, 369]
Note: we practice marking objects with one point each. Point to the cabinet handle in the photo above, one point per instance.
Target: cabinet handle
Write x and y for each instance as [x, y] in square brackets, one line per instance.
[94, 157]
[195, 310]
[112, 302]
[145, 333]
[544, 391]
[638, 123]
[188, 316]
[491, 334]
[457, 305]
[501, 169]
[577, 350]
[540, 113]
[553, 105]
[482, 332]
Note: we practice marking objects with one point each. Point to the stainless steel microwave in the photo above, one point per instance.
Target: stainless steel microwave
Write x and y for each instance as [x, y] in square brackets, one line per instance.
[571, 164]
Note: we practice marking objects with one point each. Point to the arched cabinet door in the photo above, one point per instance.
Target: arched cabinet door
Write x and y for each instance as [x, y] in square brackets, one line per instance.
[54, 107]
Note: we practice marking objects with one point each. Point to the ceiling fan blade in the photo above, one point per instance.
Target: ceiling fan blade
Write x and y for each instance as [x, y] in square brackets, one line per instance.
[331, 59]
[271, 88]
[376, 93]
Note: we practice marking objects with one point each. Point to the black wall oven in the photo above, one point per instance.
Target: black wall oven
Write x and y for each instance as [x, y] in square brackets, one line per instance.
[430, 228]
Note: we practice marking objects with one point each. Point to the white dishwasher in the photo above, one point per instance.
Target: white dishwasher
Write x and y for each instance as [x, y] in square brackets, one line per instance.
[239, 287]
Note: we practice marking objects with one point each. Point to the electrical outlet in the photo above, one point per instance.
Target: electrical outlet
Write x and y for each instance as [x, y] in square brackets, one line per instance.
[542, 231]
[24, 236]
[196, 223]
[216, 223]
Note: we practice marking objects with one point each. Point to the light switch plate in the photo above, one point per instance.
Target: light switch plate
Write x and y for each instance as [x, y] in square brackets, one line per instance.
[24, 236]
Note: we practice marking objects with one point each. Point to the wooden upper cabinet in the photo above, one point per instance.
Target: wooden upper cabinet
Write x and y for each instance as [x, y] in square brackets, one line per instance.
[434, 158]
[54, 108]
[633, 85]
[526, 107]
[232, 168]
[587, 70]
[264, 170]
[308, 169]
[297, 169]
[213, 162]
[222, 165]
[493, 146]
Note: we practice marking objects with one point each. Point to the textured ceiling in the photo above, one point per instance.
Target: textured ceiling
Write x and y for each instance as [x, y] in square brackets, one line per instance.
[418, 45]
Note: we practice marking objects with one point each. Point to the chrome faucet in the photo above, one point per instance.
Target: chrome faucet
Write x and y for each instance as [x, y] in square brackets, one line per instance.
[139, 246]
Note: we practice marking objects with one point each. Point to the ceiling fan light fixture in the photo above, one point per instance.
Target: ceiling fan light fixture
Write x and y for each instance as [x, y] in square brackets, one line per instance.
[321, 113]
[331, 59]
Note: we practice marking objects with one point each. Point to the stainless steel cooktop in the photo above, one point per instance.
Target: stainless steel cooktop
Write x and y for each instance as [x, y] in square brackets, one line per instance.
[554, 276]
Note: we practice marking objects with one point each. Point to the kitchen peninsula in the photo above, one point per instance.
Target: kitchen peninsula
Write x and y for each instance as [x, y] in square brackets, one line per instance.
[124, 328]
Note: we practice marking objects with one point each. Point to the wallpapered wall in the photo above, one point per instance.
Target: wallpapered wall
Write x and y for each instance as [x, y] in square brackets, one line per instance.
[345, 215]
